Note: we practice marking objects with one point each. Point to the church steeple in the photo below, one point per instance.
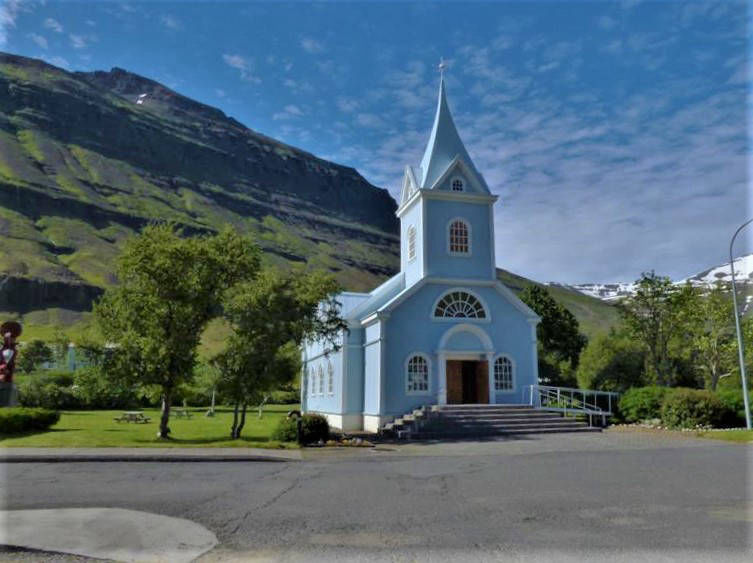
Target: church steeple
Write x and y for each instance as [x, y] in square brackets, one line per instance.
[444, 146]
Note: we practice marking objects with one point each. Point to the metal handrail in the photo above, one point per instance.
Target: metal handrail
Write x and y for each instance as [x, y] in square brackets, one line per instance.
[542, 396]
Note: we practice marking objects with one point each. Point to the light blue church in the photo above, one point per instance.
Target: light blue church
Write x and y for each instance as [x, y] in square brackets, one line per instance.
[443, 330]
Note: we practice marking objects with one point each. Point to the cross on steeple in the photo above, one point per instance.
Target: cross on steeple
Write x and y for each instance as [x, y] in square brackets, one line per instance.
[442, 66]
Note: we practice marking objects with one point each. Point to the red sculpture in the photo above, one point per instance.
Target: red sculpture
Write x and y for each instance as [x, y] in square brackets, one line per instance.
[10, 331]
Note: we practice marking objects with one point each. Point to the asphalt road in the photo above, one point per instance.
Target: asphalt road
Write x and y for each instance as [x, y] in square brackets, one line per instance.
[593, 497]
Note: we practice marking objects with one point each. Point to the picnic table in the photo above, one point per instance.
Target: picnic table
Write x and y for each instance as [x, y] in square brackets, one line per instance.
[132, 416]
[182, 413]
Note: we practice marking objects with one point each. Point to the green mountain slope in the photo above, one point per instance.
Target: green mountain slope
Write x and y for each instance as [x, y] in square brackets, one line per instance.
[84, 165]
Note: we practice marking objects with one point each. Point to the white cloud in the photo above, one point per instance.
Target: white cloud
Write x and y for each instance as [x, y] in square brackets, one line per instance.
[606, 22]
[312, 45]
[369, 120]
[77, 41]
[39, 40]
[53, 24]
[347, 105]
[288, 112]
[8, 14]
[219, 92]
[245, 66]
[170, 22]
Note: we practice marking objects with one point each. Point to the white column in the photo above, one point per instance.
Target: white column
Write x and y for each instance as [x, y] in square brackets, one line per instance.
[490, 367]
[442, 379]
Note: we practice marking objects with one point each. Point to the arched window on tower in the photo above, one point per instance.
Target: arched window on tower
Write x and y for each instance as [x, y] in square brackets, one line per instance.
[411, 242]
[459, 237]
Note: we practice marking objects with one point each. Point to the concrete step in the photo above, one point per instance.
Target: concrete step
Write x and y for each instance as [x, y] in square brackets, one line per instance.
[493, 416]
[516, 426]
[428, 435]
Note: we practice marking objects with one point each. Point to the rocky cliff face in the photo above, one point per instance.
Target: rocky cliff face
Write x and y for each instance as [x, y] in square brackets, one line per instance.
[86, 159]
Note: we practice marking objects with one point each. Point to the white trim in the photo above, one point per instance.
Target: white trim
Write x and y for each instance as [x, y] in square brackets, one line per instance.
[468, 171]
[468, 226]
[382, 367]
[465, 197]
[409, 203]
[476, 330]
[513, 374]
[486, 319]
[492, 251]
[427, 359]
[372, 423]
[343, 422]
[490, 378]
[424, 239]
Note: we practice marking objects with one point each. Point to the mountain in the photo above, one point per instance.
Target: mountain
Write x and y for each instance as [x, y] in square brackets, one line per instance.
[707, 279]
[87, 159]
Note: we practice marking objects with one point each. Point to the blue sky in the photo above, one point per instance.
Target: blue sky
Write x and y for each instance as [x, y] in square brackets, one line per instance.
[615, 133]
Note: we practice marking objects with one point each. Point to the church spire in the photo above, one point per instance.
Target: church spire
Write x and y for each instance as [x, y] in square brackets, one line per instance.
[444, 142]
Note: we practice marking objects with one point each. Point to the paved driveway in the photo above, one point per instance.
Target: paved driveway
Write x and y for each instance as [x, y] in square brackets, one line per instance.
[616, 496]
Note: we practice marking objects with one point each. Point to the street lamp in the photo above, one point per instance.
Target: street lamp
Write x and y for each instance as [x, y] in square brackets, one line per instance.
[737, 325]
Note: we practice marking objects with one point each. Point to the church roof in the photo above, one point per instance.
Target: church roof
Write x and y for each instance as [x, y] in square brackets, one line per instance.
[444, 146]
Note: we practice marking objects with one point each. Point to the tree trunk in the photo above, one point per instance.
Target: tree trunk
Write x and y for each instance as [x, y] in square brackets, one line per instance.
[235, 421]
[243, 422]
[164, 430]
[212, 409]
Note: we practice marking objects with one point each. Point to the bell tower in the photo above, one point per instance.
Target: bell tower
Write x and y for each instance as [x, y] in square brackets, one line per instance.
[446, 209]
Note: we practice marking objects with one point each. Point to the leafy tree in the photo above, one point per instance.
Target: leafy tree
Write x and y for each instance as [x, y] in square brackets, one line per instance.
[271, 317]
[655, 316]
[170, 287]
[711, 334]
[34, 354]
[559, 338]
[612, 362]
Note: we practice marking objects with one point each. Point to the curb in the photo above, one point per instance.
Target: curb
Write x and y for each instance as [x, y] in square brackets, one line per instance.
[31, 458]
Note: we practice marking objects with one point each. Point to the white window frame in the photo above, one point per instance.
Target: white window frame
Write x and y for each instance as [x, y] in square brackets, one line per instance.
[426, 359]
[330, 379]
[512, 373]
[320, 379]
[411, 243]
[486, 319]
[452, 184]
[467, 224]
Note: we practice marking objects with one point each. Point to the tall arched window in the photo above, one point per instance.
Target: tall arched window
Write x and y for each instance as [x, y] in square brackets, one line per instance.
[460, 304]
[459, 237]
[417, 375]
[312, 382]
[411, 242]
[320, 376]
[503, 374]
[330, 379]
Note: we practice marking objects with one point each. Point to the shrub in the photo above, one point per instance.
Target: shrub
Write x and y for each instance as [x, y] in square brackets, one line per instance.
[611, 362]
[642, 403]
[314, 427]
[15, 420]
[689, 408]
[733, 401]
[285, 397]
[43, 393]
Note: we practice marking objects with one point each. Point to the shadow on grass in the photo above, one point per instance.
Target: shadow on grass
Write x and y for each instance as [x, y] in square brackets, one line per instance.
[213, 440]
[35, 432]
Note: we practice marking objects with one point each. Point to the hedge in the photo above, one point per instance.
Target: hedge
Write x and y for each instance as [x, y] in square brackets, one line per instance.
[15, 420]
[642, 403]
[314, 427]
[733, 400]
[690, 408]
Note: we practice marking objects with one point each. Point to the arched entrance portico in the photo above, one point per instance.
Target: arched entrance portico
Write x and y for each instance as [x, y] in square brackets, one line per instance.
[465, 356]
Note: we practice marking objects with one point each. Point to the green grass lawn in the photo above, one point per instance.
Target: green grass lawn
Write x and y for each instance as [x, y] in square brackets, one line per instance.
[740, 436]
[96, 429]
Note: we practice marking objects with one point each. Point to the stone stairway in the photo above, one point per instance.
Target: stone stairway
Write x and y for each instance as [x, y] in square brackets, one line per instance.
[470, 421]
